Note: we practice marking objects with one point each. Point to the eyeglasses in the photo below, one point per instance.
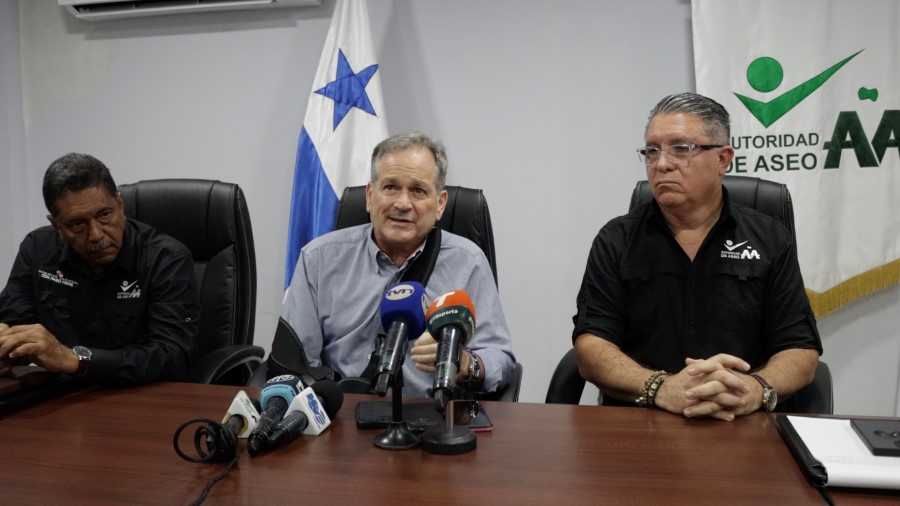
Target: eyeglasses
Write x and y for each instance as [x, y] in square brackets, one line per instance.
[649, 155]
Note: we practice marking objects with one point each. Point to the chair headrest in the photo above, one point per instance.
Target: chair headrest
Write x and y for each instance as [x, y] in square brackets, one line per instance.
[465, 214]
[204, 215]
[767, 197]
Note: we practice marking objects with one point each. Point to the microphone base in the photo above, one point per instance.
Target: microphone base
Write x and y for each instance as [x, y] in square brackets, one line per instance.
[397, 436]
[444, 441]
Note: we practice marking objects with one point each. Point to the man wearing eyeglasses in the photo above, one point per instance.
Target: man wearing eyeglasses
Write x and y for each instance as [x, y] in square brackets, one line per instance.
[691, 303]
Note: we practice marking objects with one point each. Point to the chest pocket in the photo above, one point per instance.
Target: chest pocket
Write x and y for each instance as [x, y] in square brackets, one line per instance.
[651, 295]
[736, 289]
[114, 324]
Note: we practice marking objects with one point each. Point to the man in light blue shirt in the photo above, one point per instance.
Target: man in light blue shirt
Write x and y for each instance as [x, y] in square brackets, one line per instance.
[333, 301]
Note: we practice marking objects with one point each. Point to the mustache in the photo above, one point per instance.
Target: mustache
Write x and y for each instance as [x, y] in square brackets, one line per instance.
[102, 245]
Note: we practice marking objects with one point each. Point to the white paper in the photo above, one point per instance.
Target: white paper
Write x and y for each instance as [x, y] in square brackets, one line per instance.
[847, 460]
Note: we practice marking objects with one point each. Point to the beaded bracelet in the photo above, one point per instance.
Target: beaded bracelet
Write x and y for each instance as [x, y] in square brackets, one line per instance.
[651, 388]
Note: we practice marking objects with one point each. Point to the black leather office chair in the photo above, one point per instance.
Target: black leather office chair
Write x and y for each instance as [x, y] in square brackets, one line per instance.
[766, 197]
[212, 220]
[566, 384]
[465, 214]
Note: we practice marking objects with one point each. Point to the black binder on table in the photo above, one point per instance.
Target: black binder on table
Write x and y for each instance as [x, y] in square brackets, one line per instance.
[813, 469]
[831, 454]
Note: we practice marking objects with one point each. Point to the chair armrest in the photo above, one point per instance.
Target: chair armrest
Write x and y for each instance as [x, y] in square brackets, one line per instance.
[509, 393]
[216, 363]
[566, 385]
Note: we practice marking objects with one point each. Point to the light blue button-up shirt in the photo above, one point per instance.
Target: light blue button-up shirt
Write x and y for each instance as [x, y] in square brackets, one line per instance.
[334, 297]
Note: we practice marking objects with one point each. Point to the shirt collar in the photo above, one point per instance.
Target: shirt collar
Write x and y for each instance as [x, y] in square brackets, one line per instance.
[124, 260]
[655, 213]
[382, 258]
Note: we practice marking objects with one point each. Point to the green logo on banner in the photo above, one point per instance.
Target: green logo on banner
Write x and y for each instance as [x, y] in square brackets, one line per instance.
[765, 74]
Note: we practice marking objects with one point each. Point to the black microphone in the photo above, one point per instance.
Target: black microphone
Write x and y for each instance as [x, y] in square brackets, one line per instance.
[242, 416]
[451, 322]
[310, 413]
[275, 397]
[403, 316]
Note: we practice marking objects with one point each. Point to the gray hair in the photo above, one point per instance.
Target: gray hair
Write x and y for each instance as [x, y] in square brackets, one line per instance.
[715, 119]
[75, 172]
[406, 140]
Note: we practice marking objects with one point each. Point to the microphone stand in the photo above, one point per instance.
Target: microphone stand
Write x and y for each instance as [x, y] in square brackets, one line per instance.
[397, 435]
[449, 439]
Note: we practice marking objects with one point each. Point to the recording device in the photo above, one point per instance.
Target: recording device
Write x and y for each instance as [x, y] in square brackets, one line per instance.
[421, 416]
[882, 437]
[451, 321]
[275, 398]
[403, 315]
[310, 413]
[242, 416]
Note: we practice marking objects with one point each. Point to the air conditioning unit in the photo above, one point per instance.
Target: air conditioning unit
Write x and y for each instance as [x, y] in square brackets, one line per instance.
[98, 10]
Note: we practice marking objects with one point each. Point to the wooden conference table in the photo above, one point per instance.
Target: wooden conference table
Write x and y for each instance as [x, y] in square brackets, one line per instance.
[103, 446]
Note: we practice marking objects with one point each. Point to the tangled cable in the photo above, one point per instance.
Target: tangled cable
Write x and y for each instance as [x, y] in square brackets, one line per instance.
[214, 443]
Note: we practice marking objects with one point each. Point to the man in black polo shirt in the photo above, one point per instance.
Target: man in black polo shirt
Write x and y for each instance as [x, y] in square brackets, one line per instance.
[691, 303]
[96, 294]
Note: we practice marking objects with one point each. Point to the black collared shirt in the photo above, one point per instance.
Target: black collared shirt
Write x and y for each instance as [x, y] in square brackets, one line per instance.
[139, 317]
[742, 295]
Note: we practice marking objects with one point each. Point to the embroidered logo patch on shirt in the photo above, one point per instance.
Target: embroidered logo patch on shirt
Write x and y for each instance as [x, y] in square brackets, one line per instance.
[57, 277]
[734, 252]
[129, 290]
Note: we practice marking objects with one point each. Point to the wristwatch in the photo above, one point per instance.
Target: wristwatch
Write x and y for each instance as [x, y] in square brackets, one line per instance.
[474, 369]
[84, 359]
[769, 395]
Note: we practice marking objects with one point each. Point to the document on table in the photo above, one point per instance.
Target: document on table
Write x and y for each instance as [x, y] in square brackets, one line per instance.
[847, 460]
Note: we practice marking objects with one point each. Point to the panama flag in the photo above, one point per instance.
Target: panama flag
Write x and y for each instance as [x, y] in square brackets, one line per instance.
[813, 89]
[344, 121]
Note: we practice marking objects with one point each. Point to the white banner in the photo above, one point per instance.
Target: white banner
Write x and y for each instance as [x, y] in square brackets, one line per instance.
[813, 89]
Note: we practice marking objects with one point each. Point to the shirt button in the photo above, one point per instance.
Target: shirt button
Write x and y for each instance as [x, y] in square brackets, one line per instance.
[691, 323]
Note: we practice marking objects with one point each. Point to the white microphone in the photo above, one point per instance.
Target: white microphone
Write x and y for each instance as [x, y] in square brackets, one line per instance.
[242, 416]
[309, 413]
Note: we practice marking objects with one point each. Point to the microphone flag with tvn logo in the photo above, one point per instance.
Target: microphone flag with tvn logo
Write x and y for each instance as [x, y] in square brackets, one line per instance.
[813, 90]
[344, 121]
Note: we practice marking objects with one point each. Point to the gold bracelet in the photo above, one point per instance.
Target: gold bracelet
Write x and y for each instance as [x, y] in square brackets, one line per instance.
[651, 388]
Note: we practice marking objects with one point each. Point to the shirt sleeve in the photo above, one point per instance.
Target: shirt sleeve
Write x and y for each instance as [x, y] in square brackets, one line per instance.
[600, 305]
[164, 351]
[17, 298]
[789, 321]
[300, 310]
[491, 342]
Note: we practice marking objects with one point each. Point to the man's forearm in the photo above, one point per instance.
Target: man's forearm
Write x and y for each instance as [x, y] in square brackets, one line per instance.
[790, 370]
[605, 365]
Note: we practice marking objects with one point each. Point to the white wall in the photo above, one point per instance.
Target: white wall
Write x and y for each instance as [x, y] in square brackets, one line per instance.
[540, 103]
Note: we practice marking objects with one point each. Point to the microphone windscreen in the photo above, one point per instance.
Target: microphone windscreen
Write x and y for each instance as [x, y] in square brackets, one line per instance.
[284, 386]
[452, 308]
[331, 395]
[405, 302]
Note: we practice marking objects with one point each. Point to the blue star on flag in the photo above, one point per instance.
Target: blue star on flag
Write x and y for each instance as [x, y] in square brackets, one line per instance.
[348, 90]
